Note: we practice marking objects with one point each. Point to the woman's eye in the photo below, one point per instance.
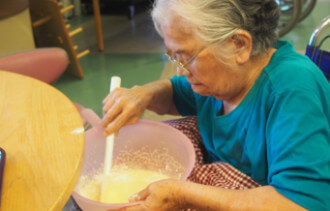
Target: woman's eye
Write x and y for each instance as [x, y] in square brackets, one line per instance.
[183, 58]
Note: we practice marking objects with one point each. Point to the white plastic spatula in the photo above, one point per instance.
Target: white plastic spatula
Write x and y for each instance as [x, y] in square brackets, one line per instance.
[115, 82]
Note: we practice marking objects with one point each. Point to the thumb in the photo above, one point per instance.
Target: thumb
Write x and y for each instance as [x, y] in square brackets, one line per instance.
[140, 196]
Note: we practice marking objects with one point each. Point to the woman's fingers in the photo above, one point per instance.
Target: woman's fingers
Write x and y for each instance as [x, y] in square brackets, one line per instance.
[114, 125]
[134, 198]
[137, 207]
[106, 99]
[108, 104]
[122, 107]
[112, 113]
[160, 195]
[126, 117]
[140, 196]
[111, 99]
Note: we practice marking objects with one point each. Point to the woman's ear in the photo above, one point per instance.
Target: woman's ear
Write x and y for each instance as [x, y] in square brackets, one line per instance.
[242, 41]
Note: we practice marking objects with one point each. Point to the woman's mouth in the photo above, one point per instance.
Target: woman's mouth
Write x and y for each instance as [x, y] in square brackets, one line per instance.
[195, 85]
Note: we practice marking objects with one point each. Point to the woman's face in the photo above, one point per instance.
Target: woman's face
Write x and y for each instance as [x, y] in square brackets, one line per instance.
[208, 76]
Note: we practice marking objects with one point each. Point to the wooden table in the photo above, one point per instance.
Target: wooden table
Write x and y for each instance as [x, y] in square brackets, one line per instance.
[42, 134]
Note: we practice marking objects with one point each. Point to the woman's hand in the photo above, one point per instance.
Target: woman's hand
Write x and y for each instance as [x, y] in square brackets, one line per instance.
[161, 195]
[124, 106]
[179, 195]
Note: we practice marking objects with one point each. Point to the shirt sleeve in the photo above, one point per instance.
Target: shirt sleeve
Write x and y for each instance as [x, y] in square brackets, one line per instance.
[183, 96]
[298, 148]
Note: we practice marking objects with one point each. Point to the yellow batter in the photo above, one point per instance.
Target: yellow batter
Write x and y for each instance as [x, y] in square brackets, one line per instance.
[119, 185]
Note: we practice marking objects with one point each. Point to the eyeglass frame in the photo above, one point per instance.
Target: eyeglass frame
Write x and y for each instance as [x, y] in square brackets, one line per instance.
[178, 63]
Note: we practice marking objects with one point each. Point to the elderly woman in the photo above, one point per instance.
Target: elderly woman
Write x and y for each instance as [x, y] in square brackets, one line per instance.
[261, 107]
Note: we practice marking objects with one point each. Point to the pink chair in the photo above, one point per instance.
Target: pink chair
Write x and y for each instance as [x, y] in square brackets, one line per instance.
[44, 64]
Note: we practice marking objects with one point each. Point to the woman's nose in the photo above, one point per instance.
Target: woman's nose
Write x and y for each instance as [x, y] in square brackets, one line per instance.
[181, 72]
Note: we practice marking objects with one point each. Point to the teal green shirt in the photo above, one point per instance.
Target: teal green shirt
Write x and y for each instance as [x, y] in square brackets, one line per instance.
[279, 134]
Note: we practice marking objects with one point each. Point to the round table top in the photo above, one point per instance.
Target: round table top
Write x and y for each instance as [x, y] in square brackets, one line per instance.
[42, 134]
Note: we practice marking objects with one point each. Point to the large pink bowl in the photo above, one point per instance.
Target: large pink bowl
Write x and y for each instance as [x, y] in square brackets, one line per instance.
[145, 134]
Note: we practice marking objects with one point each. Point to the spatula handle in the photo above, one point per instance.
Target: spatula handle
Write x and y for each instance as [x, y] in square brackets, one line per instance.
[115, 82]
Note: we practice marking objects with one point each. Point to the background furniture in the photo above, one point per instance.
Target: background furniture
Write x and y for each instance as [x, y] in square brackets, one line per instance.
[47, 29]
[45, 64]
[16, 30]
[127, 7]
[292, 12]
[314, 51]
[50, 30]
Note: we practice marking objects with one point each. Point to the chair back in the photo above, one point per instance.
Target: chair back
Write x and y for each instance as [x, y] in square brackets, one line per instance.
[320, 57]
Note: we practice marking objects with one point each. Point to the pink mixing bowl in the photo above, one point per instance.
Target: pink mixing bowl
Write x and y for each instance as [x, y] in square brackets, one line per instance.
[145, 135]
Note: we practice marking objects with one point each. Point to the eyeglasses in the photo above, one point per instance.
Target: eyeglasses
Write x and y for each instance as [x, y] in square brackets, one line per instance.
[170, 55]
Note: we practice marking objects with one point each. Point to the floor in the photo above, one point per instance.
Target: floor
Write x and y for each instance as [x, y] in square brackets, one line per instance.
[134, 51]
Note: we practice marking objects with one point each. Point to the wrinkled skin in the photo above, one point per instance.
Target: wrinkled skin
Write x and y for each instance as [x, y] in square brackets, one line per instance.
[124, 106]
[161, 195]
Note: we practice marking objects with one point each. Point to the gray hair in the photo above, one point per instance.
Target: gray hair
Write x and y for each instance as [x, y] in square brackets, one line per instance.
[214, 21]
